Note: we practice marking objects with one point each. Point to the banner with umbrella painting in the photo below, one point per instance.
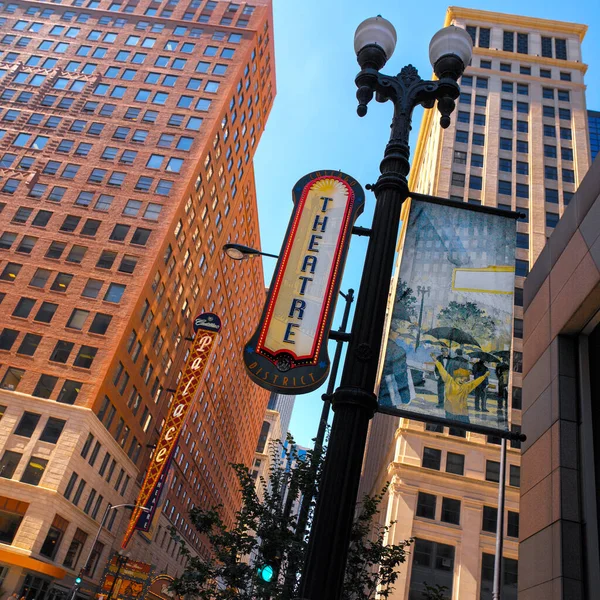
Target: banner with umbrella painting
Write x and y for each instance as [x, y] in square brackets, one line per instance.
[448, 345]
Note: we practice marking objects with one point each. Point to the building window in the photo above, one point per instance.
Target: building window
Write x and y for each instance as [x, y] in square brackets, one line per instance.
[521, 268]
[45, 386]
[34, 470]
[515, 470]
[475, 182]
[458, 179]
[450, 511]
[8, 465]
[512, 524]
[52, 430]
[518, 299]
[552, 219]
[509, 577]
[476, 160]
[433, 563]
[426, 505]
[455, 463]
[75, 548]
[432, 458]
[490, 518]
[54, 537]
[462, 136]
[504, 187]
[11, 515]
[492, 470]
[27, 424]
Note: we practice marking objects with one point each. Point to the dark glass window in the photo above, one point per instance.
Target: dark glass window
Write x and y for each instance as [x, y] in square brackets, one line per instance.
[515, 474]
[490, 517]
[61, 351]
[29, 344]
[52, 430]
[432, 458]
[450, 511]
[27, 424]
[512, 524]
[69, 392]
[518, 297]
[8, 464]
[426, 505]
[521, 268]
[455, 463]
[45, 386]
[551, 220]
[492, 470]
[547, 47]
[7, 338]
[476, 160]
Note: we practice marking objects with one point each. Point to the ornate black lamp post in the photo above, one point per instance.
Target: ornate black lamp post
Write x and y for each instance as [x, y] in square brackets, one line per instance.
[354, 402]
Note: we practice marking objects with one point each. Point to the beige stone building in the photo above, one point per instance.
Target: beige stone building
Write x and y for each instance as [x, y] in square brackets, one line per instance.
[518, 141]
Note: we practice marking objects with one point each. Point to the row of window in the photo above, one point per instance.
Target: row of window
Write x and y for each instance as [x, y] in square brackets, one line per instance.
[552, 47]
[71, 222]
[30, 342]
[60, 354]
[89, 229]
[522, 89]
[82, 17]
[106, 414]
[450, 513]
[455, 463]
[524, 70]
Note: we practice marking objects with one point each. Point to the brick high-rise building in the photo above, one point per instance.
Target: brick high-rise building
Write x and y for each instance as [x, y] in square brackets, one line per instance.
[127, 136]
[518, 141]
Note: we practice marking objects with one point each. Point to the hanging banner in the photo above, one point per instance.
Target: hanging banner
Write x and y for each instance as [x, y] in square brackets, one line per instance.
[288, 351]
[206, 327]
[448, 346]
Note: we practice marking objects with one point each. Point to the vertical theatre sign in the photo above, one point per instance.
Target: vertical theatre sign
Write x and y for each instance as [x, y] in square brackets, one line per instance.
[449, 341]
[288, 351]
[206, 328]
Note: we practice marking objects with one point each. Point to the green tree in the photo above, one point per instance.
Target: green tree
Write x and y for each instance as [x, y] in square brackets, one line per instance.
[468, 317]
[264, 533]
[405, 304]
[435, 592]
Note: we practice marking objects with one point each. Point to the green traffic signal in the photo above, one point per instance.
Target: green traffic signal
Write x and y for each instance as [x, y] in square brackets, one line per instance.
[78, 580]
[266, 573]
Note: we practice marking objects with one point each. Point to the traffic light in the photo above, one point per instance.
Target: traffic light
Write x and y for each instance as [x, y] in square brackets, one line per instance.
[78, 580]
[266, 572]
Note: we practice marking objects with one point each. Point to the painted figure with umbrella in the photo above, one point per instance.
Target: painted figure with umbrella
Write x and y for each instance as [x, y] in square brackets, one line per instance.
[502, 373]
[451, 364]
[457, 388]
[478, 369]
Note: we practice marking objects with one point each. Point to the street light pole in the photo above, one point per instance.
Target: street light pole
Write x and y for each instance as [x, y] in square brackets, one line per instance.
[421, 290]
[304, 510]
[354, 402]
[86, 564]
[497, 585]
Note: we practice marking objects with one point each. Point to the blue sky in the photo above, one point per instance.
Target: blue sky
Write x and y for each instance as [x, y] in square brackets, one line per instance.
[313, 124]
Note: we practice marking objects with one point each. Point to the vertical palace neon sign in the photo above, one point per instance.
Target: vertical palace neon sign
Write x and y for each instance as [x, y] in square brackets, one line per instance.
[288, 351]
[206, 327]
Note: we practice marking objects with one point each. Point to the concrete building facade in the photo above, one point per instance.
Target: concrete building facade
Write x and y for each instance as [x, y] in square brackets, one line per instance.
[518, 141]
[560, 493]
[127, 136]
